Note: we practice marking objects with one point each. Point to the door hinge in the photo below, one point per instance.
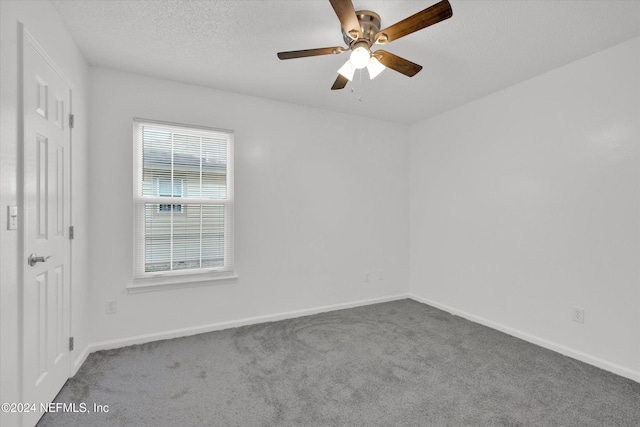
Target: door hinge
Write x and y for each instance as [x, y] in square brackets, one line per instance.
[70, 343]
[71, 121]
[72, 233]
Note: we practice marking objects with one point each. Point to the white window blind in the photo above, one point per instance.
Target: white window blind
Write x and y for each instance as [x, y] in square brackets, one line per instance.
[183, 200]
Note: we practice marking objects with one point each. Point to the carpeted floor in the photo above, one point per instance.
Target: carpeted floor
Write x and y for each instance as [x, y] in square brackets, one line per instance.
[399, 363]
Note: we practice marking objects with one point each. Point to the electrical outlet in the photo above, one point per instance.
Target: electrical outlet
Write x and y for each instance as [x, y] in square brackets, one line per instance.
[578, 314]
[111, 306]
[366, 276]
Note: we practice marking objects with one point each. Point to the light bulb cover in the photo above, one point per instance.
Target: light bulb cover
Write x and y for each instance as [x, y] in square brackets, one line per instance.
[374, 67]
[347, 70]
[360, 57]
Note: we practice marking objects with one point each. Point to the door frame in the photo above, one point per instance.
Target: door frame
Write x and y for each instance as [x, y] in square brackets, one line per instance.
[27, 41]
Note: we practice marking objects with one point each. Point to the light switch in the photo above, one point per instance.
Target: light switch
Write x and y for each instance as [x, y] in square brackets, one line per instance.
[13, 218]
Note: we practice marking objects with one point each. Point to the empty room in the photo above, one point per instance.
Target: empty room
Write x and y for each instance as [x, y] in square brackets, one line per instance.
[320, 213]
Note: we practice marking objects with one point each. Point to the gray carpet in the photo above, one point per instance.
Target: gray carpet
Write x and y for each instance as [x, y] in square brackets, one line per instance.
[399, 363]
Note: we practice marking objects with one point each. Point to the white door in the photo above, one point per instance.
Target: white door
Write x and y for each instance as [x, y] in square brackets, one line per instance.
[46, 201]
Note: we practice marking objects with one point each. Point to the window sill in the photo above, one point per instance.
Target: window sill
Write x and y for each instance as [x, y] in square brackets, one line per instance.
[162, 283]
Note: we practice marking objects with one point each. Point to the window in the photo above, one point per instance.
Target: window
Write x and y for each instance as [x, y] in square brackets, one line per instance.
[165, 188]
[183, 201]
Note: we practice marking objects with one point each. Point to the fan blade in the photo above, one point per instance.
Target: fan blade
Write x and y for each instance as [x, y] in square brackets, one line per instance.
[348, 18]
[310, 52]
[431, 15]
[340, 82]
[397, 63]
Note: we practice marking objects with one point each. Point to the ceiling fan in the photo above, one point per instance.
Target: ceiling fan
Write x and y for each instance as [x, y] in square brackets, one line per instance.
[361, 30]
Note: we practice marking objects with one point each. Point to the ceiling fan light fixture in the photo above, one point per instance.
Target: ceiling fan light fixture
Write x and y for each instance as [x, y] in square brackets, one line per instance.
[347, 70]
[374, 67]
[361, 30]
[360, 57]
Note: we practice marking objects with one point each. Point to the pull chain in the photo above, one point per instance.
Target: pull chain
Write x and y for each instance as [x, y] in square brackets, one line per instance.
[356, 91]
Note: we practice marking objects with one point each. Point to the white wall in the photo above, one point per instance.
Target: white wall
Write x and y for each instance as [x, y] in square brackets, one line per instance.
[525, 204]
[42, 21]
[320, 198]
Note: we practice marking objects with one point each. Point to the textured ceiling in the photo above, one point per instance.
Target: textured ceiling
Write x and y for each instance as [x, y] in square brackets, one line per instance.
[231, 45]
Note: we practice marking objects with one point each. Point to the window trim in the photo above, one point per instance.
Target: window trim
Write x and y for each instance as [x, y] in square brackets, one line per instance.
[144, 281]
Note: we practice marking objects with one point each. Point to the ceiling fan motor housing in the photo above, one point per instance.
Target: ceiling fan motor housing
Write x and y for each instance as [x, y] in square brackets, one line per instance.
[369, 26]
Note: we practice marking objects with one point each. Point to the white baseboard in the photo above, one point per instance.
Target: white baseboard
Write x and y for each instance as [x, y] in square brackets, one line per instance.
[176, 333]
[575, 354]
[77, 363]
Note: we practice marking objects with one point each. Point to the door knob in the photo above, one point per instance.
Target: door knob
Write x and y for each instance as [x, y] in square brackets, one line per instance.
[34, 259]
